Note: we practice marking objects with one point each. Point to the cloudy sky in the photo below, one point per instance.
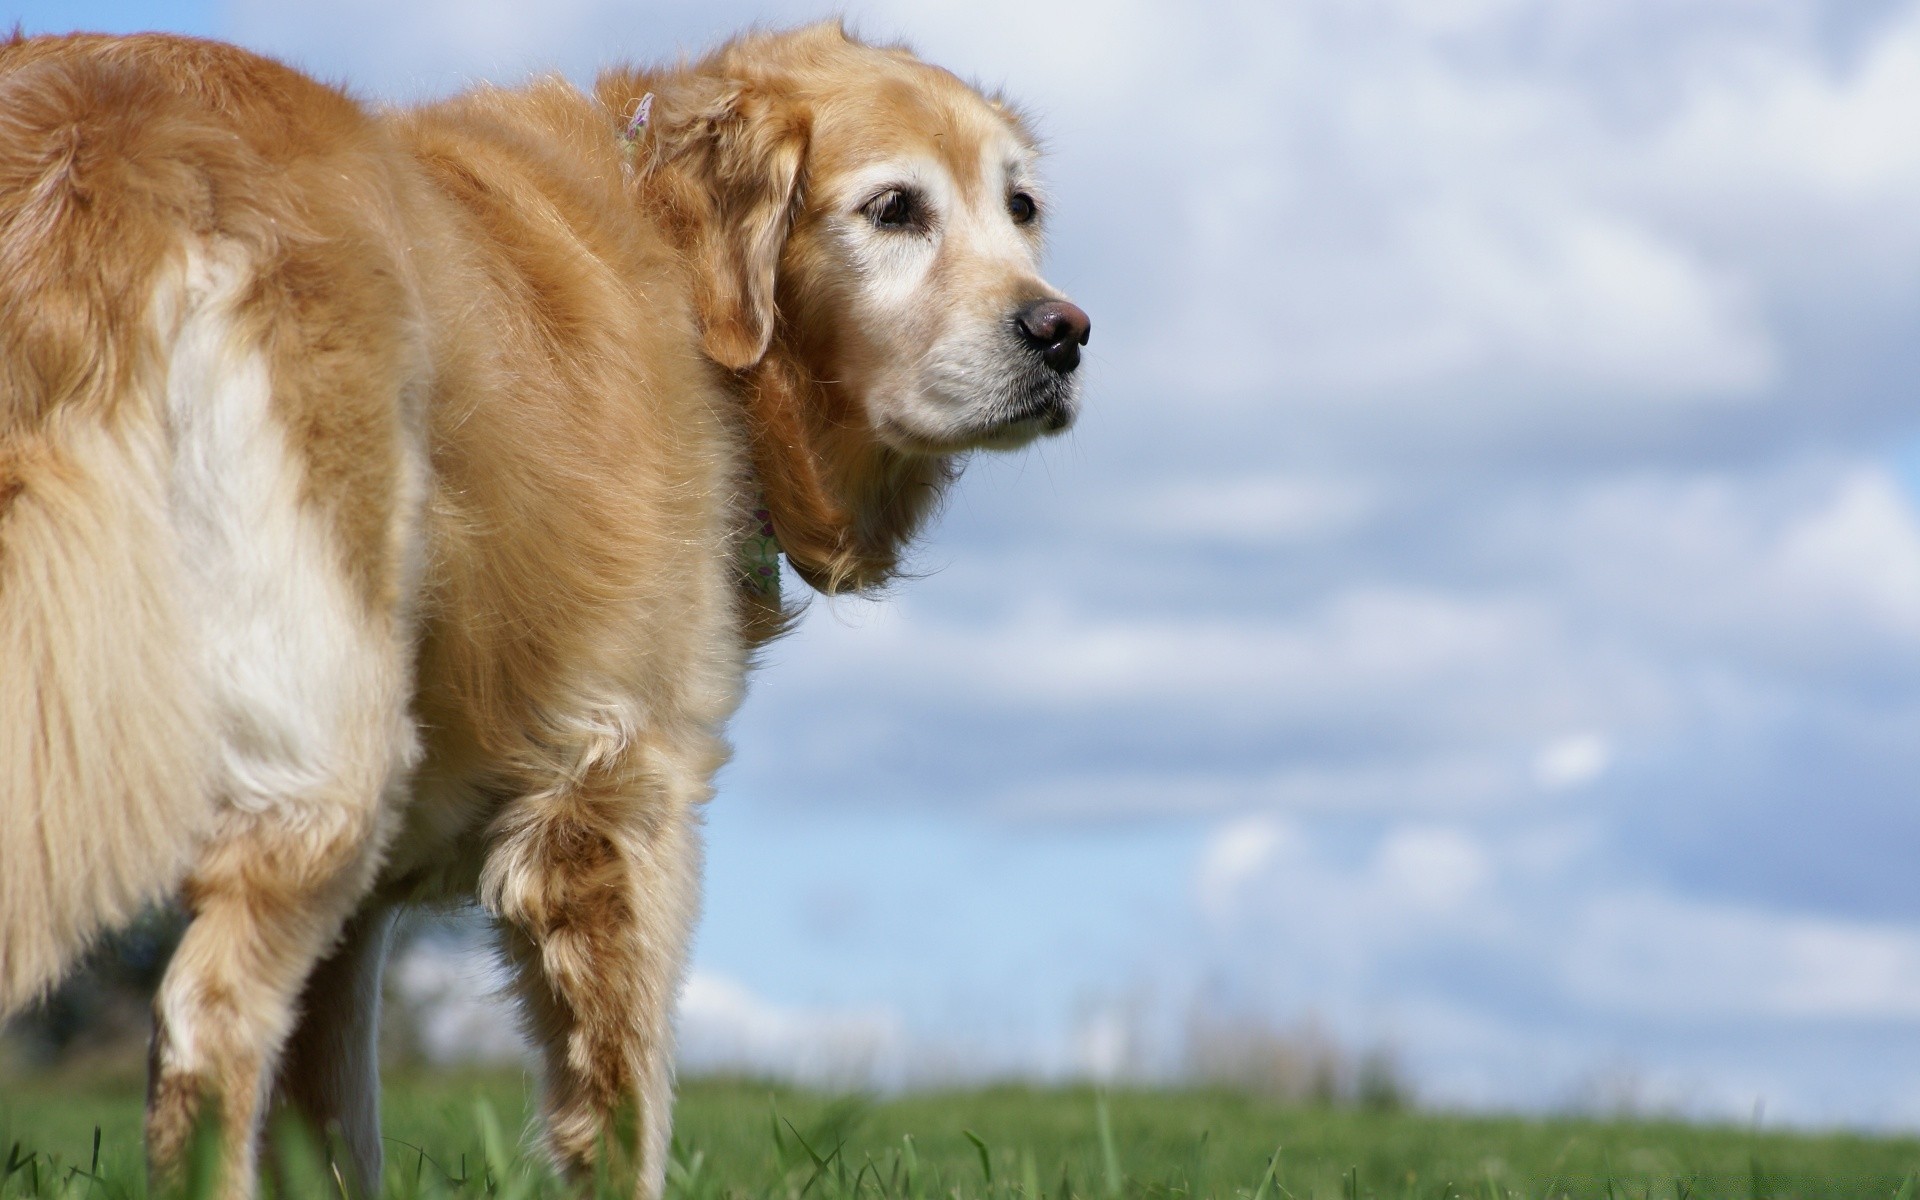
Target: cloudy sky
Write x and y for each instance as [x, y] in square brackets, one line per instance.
[1479, 611]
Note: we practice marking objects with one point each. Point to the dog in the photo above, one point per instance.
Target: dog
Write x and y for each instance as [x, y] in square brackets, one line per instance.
[391, 503]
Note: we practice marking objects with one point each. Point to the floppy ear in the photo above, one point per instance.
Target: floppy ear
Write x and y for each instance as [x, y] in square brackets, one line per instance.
[731, 154]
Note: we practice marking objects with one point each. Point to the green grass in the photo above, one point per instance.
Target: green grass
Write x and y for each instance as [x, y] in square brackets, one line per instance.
[460, 1138]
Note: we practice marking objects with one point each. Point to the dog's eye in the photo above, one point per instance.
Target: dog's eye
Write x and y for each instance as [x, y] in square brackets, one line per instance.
[1021, 206]
[893, 210]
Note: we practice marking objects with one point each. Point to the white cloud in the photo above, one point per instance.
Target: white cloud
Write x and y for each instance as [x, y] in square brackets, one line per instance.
[1818, 563]
[453, 991]
[1568, 299]
[726, 1028]
[1572, 761]
[1248, 511]
[1351, 648]
[1426, 936]
[1632, 617]
[1856, 558]
[1385, 214]
[1771, 135]
[1105, 1045]
[453, 988]
[1434, 869]
[1234, 854]
[434, 47]
[1668, 957]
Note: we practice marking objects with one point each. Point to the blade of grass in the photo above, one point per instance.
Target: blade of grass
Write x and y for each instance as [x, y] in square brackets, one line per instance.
[15, 1162]
[986, 1158]
[869, 1165]
[779, 1139]
[421, 1157]
[301, 1165]
[204, 1168]
[819, 1163]
[493, 1144]
[1269, 1179]
[1109, 1156]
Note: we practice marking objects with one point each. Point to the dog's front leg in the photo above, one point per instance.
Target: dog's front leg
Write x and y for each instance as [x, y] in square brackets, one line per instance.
[596, 886]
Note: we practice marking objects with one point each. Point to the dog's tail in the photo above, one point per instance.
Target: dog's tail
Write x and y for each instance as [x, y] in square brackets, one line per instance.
[103, 792]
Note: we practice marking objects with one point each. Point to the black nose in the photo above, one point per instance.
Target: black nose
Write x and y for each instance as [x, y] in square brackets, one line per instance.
[1057, 329]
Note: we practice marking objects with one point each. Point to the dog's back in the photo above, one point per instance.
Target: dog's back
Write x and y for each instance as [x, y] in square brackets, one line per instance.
[198, 553]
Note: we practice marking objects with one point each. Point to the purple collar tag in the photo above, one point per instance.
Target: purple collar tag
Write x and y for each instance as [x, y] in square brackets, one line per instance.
[638, 124]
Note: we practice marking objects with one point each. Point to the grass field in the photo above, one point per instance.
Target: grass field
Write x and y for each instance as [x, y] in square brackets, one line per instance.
[462, 1137]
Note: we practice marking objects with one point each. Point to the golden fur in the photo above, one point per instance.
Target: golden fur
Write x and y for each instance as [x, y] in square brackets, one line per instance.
[371, 486]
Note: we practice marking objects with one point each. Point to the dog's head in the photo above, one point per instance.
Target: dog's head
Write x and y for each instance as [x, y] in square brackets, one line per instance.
[865, 231]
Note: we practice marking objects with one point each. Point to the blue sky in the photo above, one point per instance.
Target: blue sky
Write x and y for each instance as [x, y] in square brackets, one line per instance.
[1479, 611]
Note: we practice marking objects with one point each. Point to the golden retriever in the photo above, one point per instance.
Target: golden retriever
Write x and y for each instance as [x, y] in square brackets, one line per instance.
[389, 506]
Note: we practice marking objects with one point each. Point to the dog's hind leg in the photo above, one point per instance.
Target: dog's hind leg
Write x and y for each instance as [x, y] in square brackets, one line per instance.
[269, 900]
[330, 1074]
[596, 886]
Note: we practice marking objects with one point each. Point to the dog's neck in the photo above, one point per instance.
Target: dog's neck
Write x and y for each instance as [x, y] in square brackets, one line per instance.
[845, 505]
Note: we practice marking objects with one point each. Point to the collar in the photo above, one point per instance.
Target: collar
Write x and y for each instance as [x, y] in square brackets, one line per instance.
[758, 558]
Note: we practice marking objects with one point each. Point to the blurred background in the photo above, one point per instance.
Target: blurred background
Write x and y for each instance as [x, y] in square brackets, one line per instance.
[1470, 647]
